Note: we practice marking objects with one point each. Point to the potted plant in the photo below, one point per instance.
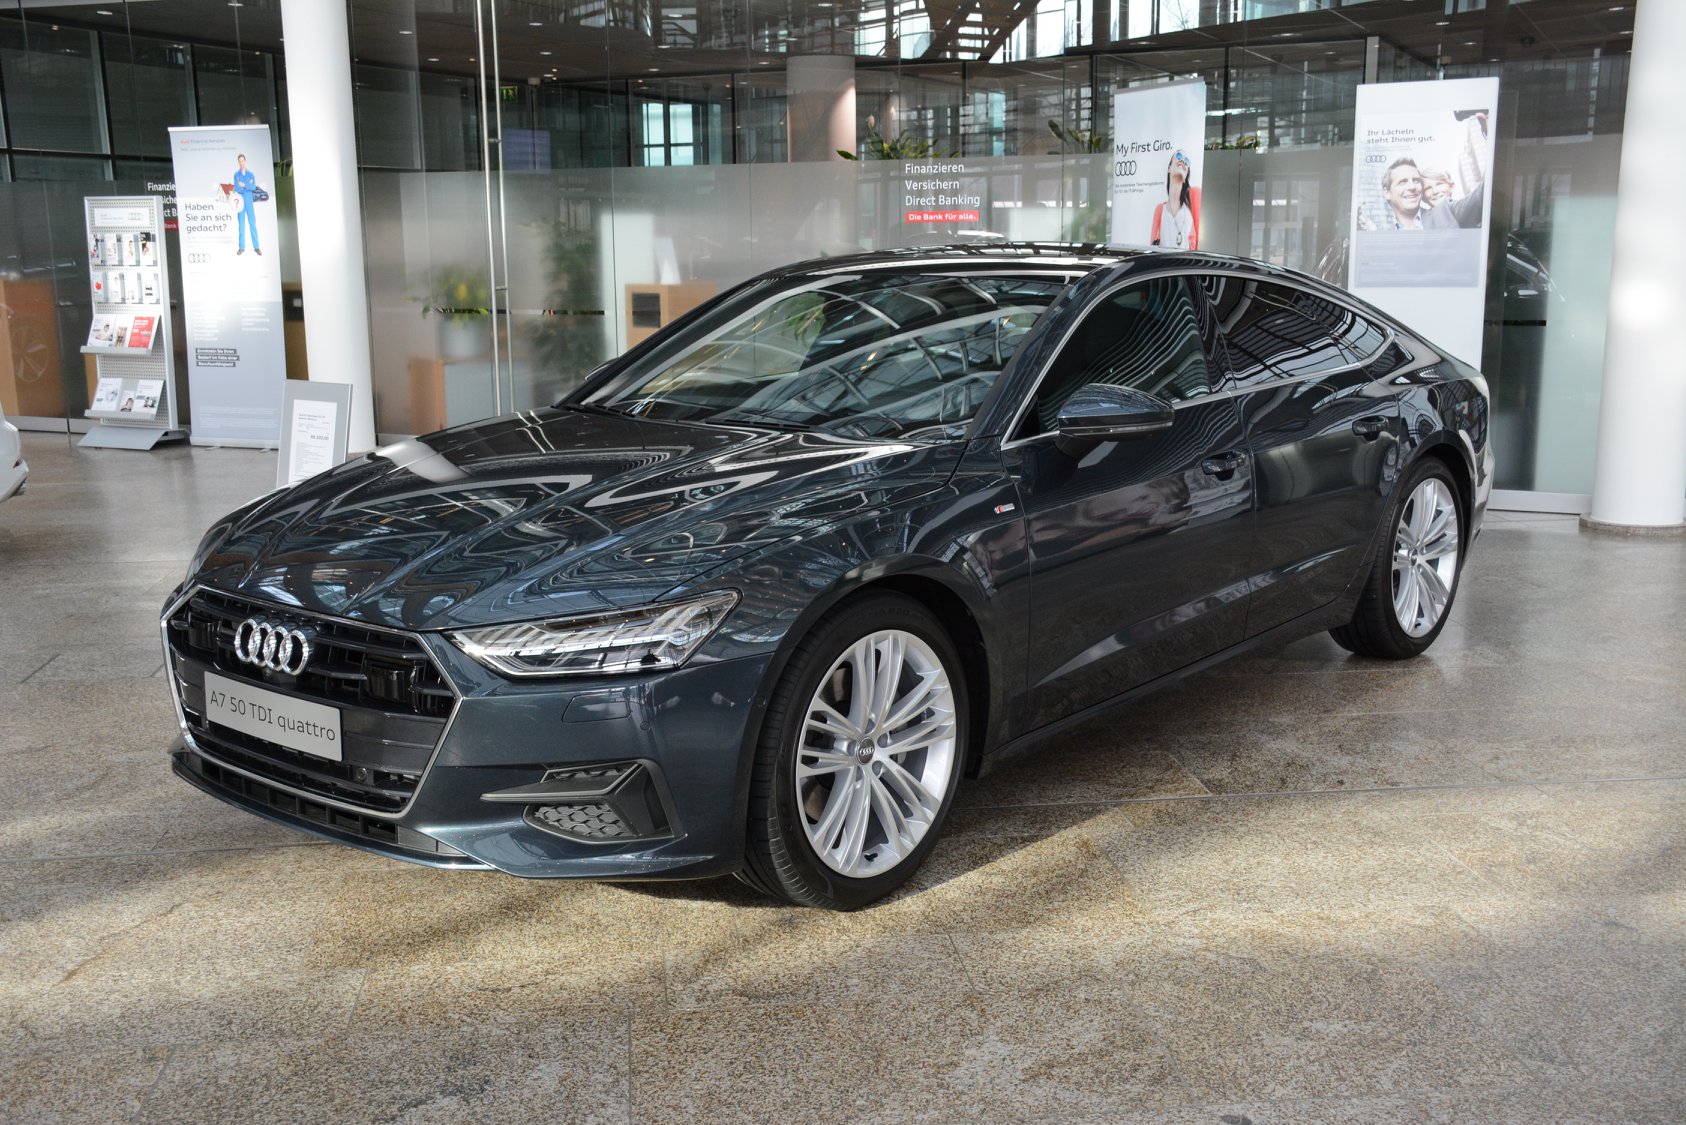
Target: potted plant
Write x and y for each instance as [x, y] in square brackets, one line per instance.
[463, 300]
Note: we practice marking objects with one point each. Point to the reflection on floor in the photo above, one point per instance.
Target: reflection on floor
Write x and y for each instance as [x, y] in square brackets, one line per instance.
[1305, 887]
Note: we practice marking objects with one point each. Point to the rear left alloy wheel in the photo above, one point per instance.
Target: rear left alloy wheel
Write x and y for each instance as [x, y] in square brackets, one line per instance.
[859, 758]
[1409, 592]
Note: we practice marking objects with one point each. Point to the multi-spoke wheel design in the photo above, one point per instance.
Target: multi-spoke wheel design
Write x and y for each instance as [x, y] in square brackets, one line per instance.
[877, 749]
[1425, 557]
[860, 755]
[1405, 600]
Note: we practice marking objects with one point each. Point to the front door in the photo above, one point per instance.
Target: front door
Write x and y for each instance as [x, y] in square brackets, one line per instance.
[1139, 547]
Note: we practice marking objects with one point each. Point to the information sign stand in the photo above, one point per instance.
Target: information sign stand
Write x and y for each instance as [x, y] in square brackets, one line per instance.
[130, 337]
[315, 429]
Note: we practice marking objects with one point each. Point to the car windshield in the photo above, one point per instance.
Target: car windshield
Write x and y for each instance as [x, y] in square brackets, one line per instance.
[870, 354]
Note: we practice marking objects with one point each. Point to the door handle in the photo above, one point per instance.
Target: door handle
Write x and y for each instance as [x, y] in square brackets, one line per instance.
[1223, 465]
[1369, 428]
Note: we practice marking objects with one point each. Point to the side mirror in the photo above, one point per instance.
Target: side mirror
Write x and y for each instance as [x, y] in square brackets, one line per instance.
[1099, 412]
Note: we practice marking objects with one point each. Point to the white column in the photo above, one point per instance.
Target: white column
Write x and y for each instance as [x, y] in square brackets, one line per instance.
[820, 112]
[330, 223]
[1641, 468]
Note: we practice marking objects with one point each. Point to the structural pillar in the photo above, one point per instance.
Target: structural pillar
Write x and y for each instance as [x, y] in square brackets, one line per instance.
[330, 221]
[1640, 477]
[820, 112]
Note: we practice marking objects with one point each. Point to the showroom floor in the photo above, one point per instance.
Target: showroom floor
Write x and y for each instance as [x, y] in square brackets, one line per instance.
[1303, 888]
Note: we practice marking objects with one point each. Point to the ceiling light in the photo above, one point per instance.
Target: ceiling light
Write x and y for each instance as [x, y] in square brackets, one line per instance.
[535, 23]
[403, 31]
[1442, 23]
[432, 58]
[544, 52]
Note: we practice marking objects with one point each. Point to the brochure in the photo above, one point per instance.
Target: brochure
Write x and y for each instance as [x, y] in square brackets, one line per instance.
[147, 394]
[107, 394]
[140, 333]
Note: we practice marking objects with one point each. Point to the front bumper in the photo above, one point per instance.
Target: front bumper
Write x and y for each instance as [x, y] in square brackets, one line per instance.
[612, 778]
[12, 481]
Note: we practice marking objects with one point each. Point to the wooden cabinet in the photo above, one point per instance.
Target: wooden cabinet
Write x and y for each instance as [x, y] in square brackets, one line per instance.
[31, 384]
[649, 307]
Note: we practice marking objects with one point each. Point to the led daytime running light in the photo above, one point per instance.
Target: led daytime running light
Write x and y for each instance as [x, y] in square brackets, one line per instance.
[648, 639]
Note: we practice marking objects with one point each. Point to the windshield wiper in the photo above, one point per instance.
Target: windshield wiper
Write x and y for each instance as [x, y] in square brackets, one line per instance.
[589, 408]
[757, 420]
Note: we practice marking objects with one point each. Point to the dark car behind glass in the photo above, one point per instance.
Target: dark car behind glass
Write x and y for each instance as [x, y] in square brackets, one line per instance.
[759, 594]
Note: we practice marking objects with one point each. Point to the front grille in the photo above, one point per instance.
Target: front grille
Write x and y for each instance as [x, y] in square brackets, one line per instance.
[393, 702]
[353, 665]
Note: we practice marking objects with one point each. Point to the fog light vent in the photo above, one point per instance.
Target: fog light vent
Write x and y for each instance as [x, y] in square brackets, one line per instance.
[592, 822]
[613, 802]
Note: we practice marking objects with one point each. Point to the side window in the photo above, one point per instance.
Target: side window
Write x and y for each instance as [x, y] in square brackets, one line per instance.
[1144, 336]
[1360, 339]
[1280, 332]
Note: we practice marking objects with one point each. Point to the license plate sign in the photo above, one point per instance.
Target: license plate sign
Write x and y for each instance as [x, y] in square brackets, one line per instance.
[297, 724]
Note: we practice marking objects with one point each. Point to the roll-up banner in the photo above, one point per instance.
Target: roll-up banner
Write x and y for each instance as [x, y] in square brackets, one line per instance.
[1421, 205]
[231, 283]
[1159, 158]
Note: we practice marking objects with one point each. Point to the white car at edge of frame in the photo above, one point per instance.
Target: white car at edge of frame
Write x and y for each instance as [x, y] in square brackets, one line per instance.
[14, 470]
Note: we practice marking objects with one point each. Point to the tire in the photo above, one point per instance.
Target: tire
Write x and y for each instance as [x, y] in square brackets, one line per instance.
[1409, 591]
[846, 801]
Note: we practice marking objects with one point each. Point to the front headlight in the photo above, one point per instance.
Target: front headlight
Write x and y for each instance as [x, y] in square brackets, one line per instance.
[647, 639]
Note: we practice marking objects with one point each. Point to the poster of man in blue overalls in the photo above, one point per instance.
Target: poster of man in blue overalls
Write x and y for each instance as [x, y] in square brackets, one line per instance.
[246, 186]
[231, 299]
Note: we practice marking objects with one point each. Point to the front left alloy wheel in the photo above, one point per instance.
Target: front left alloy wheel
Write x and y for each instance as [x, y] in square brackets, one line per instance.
[860, 756]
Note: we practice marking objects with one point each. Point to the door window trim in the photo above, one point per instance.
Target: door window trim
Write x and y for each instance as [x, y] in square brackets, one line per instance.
[1391, 338]
[1071, 329]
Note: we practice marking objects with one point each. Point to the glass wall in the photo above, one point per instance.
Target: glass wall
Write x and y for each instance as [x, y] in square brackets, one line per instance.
[86, 101]
[544, 181]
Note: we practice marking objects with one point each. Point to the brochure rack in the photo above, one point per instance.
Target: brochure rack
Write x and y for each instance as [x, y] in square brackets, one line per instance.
[129, 336]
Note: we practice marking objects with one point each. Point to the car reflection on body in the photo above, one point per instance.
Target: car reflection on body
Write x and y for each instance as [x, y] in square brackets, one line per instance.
[757, 595]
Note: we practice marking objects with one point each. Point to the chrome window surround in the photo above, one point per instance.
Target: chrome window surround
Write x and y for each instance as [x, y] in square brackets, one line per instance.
[362, 810]
[1232, 392]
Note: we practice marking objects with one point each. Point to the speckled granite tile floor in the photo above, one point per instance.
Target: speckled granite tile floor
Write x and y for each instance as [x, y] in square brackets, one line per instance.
[1300, 888]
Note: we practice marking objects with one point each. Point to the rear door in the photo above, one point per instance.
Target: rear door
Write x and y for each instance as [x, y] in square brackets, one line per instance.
[1323, 430]
[1139, 547]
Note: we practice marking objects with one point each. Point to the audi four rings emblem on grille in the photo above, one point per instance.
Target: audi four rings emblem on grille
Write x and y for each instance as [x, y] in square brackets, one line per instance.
[272, 645]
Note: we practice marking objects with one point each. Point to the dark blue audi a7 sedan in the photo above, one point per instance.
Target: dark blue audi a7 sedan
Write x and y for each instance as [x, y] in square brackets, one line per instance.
[758, 594]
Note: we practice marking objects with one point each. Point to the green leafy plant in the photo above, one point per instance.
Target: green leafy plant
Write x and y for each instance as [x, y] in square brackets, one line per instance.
[1079, 140]
[1087, 223]
[1246, 140]
[459, 294]
[903, 146]
[568, 340]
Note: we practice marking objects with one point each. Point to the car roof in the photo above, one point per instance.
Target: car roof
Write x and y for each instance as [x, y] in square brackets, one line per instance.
[1051, 257]
[1060, 257]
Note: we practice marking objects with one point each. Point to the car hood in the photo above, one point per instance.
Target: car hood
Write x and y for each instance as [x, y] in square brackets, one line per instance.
[549, 513]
